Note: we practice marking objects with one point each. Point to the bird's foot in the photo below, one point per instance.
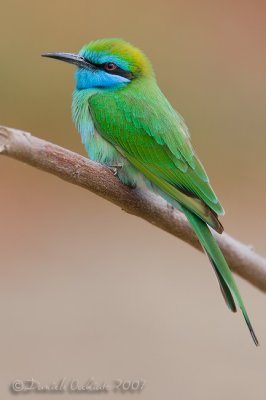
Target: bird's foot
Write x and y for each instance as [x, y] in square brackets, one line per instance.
[170, 207]
[114, 168]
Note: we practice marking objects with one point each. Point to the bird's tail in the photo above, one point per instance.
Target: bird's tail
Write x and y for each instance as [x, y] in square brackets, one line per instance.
[223, 273]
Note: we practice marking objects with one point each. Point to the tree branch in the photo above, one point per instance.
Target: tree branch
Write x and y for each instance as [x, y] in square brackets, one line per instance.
[98, 179]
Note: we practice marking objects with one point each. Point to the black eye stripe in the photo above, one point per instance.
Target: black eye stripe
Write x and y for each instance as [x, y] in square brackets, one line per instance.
[117, 71]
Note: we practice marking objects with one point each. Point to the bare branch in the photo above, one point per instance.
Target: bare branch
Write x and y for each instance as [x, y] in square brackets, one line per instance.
[80, 171]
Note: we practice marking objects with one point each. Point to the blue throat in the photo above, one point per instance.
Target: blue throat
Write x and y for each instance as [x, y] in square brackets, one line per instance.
[98, 79]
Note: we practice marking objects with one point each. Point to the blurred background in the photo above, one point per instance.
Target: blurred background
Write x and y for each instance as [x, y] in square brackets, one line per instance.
[88, 291]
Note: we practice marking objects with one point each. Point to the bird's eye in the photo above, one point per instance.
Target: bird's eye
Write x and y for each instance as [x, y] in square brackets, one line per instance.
[110, 66]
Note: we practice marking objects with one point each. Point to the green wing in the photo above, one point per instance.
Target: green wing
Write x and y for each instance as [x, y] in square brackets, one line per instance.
[154, 138]
[143, 126]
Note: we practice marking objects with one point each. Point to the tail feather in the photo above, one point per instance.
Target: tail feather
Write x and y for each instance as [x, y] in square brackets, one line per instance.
[223, 273]
[223, 286]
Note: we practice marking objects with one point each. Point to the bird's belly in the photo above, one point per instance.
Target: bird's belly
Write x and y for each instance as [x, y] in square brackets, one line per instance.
[101, 151]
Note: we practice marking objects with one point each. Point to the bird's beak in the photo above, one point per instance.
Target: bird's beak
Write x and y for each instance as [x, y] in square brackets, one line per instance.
[75, 59]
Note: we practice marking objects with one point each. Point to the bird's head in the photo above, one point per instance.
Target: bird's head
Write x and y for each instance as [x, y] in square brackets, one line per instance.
[107, 64]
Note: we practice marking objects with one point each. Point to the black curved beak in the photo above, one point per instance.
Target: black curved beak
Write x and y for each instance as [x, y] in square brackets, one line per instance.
[75, 59]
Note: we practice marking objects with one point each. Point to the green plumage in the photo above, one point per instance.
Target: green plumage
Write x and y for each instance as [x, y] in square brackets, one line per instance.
[145, 129]
[124, 119]
[223, 273]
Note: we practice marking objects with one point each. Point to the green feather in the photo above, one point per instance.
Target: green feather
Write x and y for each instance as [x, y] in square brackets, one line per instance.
[137, 127]
[142, 125]
[144, 128]
[224, 275]
[194, 205]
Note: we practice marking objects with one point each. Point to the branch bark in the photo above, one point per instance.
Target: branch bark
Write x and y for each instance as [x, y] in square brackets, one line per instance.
[92, 176]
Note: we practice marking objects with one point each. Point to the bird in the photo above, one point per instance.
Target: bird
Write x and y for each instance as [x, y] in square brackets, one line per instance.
[126, 123]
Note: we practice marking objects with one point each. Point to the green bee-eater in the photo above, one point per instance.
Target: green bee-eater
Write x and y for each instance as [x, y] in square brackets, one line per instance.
[126, 122]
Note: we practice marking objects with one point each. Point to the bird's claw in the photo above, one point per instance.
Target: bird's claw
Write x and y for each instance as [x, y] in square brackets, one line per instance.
[115, 168]
[170, 207]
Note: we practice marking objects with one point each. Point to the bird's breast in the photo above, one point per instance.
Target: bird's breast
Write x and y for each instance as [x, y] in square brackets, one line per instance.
[96, 146]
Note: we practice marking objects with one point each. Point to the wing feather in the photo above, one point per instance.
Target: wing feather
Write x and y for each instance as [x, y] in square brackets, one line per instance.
[144, 127]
